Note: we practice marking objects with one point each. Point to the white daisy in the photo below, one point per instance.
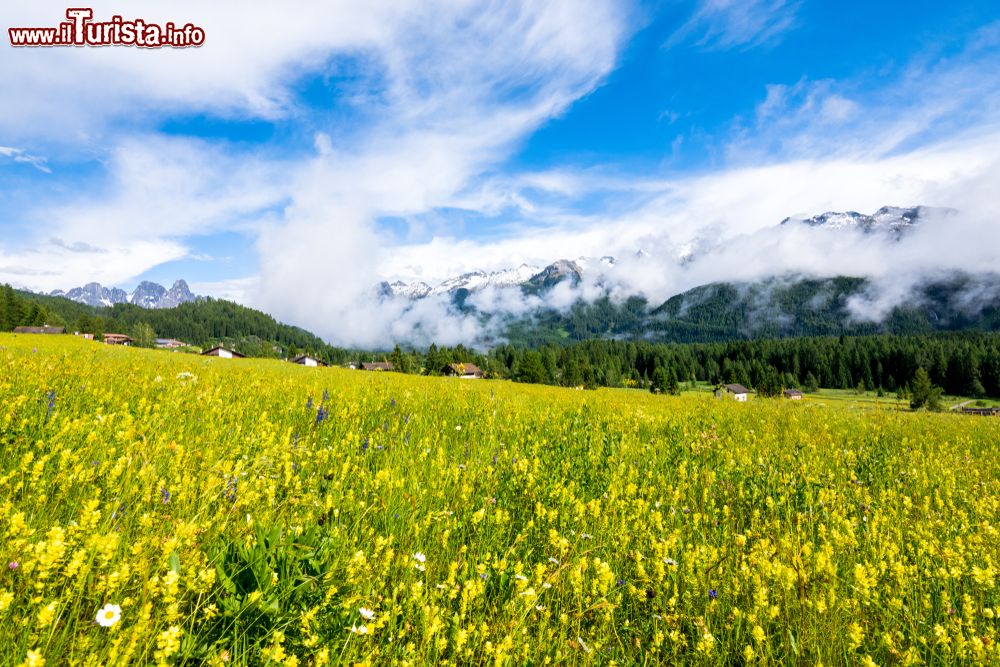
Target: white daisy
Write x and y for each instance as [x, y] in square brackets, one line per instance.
[109, 615]
[366, 613]
[359, 629]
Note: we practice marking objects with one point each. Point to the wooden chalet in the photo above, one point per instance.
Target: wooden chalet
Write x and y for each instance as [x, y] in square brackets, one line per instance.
[793, 394]
[222, 353]
[117, 339]
[464, 371]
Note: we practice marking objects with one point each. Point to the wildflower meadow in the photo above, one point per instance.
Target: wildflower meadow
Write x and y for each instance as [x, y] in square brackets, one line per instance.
[165, 508]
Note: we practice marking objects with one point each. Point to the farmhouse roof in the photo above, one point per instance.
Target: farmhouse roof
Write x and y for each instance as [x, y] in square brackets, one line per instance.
[465, 369]
[214, 352]
[736, 389]
[377, 366]
[302, 358]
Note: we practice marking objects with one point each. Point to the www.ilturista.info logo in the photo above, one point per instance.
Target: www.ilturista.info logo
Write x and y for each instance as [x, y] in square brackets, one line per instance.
[81, 30]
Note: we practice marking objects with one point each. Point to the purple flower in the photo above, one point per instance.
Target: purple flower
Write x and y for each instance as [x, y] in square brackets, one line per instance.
[321, 414]
[712, 594]
[309, 403]
[166, 494]
[13, 565]
[51, 396]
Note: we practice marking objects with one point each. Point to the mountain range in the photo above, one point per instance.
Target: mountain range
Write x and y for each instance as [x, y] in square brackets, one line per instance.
[147, 295]
[892, 220]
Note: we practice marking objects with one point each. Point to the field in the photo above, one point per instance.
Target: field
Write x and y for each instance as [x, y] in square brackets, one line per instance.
[255, 512]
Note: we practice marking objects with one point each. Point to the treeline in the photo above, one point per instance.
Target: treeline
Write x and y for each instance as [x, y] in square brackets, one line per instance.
[18, 312]
[965, 364]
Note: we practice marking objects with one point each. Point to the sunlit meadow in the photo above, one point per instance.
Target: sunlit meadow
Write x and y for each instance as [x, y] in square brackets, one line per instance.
[163, 508]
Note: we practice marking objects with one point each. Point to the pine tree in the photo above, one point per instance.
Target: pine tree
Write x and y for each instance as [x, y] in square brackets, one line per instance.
[923, 394]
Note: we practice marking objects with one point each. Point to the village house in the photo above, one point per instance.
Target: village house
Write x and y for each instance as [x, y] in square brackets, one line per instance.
[307, 360]
[117, 339]
[793, 394]
[40, 330]
[377, 366]
[465, 371]
[222, 353]
[737, 391]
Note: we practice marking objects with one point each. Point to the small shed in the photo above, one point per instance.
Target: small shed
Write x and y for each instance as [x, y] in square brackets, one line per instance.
[463, 370]
[307, 360]
[117, 339]
[377, 366]
[222, 353]
[40, 330]
[793, 394]
[737, 391]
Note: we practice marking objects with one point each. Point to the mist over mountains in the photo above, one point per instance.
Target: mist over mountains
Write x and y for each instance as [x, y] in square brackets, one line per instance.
[828, 274]
[831, 273]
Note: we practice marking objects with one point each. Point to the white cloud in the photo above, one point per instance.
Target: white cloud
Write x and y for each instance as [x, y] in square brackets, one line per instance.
[19, 155]
[726, 24]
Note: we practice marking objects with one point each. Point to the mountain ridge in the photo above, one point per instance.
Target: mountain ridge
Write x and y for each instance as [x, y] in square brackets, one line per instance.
[147, 294]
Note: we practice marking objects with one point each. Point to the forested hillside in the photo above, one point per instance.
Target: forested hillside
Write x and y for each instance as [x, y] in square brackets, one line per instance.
[769, 309]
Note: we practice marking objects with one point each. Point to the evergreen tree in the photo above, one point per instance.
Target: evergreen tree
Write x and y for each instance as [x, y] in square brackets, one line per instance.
[924, 394]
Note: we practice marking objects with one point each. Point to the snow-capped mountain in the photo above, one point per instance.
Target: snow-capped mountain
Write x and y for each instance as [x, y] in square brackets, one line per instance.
[94, 294]
[525, 275]
[477, 280]
[146, 294]
[887, 219]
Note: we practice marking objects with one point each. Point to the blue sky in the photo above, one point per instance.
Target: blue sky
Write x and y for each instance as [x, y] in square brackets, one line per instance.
[417, 140]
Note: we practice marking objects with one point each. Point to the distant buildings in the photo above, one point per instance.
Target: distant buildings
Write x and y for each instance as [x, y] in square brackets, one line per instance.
[465, 371]
[40, 330]
[793, 394]
[222, 353]
[169, 343]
